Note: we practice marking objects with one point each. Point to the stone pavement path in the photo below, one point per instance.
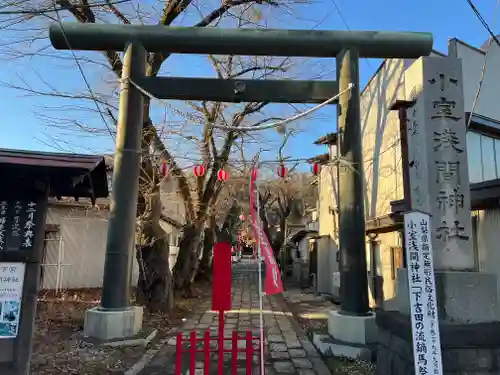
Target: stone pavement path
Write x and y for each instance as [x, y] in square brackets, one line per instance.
[287, 349]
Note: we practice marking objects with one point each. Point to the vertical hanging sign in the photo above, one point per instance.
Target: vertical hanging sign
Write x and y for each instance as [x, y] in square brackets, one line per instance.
[422, 291]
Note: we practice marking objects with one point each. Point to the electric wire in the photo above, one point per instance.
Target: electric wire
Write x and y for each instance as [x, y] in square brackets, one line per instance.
[483, 69]
[339, 12]
[483, 21]
[80, 69]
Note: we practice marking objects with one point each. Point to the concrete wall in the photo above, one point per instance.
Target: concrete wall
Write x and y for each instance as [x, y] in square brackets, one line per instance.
[472, 65]
[381, 138]
[327, 228]
[75, 255]
[327, 202]
[488, 238]
[383, 172]
[80, 247]
[382, 277]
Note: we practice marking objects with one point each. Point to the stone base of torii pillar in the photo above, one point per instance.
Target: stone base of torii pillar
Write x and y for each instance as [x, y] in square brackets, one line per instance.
[469, 325]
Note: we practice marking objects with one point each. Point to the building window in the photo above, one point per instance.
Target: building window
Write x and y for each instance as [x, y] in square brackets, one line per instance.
[483, 151]
[396, 260]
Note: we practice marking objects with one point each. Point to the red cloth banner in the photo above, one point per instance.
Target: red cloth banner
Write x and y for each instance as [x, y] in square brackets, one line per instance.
[272, 280]
[221, 277]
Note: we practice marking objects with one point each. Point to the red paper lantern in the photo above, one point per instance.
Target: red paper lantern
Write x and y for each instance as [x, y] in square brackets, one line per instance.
[164, 168]
[199, 170]
[282, 171]
[315, 168]
[222, 175]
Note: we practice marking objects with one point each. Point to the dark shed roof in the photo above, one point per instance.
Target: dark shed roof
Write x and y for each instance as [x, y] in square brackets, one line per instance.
[67, 174]
[321, 159]
[329, 139]
[300, 234]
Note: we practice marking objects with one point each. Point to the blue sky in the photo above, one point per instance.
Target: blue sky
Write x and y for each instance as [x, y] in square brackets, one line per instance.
[22, 128]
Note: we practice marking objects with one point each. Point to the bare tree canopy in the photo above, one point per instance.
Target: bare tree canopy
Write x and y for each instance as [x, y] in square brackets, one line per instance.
[81, 111]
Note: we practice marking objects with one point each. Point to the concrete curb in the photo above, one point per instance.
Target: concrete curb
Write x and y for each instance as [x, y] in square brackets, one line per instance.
[145, 359]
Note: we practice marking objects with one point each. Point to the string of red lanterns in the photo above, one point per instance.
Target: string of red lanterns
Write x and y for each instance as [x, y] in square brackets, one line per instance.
[222, 175]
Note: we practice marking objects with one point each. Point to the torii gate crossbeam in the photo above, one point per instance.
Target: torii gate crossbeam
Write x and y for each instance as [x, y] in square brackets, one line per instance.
[255, 42]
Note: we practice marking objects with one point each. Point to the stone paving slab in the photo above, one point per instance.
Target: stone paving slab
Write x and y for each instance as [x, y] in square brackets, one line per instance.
[287, 349]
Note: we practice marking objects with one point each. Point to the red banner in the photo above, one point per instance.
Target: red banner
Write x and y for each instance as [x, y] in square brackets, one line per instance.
[221, 277]
[272, 281]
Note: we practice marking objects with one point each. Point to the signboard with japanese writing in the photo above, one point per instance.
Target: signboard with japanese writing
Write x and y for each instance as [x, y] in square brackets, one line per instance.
[437, 157]
[11, 290]
[422, 290]
[17, 224]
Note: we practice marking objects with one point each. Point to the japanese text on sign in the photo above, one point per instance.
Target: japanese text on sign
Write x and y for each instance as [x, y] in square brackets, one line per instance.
[3, 221]
[17, 224]
[421, 285]
[437, 157]
[29, 225]
[450, 199]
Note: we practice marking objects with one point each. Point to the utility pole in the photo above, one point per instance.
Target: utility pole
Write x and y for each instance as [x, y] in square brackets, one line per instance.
[126, 168]
[353, 278]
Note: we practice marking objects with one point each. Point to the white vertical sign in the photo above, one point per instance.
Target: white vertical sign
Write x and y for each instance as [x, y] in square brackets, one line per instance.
[422, 291]
[11, 292]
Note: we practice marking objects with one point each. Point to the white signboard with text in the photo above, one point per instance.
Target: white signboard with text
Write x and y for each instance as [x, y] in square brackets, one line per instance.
[422, 292]
[11, 291]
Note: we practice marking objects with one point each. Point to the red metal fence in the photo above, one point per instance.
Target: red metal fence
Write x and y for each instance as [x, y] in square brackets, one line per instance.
[252, 346]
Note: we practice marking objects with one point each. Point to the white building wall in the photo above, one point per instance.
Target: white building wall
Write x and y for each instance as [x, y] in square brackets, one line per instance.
[80, 246]
[488, 240]
[327, 249]
[472, 65]
[75, 255]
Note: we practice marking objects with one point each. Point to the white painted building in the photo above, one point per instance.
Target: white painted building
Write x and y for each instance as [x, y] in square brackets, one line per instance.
[75, 244]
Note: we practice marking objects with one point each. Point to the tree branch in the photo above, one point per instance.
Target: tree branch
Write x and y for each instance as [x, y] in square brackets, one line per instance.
[117, 13]
[152, 139]
[256, 69]
[174, 7]
[170, 221]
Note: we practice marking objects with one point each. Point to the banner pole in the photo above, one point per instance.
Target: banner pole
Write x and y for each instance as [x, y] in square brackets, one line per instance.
[261, 294]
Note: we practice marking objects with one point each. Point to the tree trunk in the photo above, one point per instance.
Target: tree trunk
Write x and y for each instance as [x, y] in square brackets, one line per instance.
[155, 279]
[187, 262]
[205, 268]
[155, 289]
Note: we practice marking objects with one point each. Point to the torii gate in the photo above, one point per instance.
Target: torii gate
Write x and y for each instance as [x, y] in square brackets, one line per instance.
[136, 40]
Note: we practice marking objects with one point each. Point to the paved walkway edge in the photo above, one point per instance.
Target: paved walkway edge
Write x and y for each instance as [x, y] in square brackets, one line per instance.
[145, 359]
[319, 364]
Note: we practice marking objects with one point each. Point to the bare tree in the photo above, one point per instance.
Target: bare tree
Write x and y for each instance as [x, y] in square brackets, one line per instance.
[156, 283]
[285, 201]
